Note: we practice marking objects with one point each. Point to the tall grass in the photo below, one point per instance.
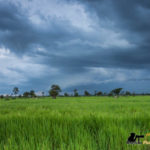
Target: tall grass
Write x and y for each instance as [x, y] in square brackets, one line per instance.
[83, 123]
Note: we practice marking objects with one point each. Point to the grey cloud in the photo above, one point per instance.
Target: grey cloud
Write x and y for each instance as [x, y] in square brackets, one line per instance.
[72, 50]
[20, 35]
[16, 31]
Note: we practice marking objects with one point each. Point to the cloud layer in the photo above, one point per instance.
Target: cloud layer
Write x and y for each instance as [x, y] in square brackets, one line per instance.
[75, 43]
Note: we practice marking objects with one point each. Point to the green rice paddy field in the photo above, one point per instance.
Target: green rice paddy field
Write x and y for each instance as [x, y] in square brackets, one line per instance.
[73, 123]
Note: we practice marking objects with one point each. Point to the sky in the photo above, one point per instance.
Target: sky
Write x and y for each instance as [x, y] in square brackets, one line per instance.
[83, 44]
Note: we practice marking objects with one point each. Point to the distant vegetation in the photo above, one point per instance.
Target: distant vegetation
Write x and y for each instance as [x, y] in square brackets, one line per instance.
[29, 94]
[55, 91]
[15, 91]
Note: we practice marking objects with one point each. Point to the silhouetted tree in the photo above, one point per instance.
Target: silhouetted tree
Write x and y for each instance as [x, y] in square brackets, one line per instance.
[54, 91]
[26, 94]
[116, 91]
[7, 97]
[86, 93]
[2, 96]
[105, 94]
[43, 94]
[110, 94]
[95, 93]
[66, 94]
[20, 96]
[32, 93]
[15, 90]
[99, 93]
[133, 94]
[127, 93]
[76, 92]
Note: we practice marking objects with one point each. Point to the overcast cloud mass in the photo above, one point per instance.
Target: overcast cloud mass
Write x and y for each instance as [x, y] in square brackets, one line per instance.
[83, 44]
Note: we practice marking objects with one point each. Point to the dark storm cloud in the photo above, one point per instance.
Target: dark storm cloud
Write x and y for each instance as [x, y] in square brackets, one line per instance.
[16, 31]
[130, 59]
[124, 14]
[131, 18]
[72, 50]
[20, 35]
[128, 17]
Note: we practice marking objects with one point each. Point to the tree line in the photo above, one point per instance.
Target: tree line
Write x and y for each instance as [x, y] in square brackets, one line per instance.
[55, 91]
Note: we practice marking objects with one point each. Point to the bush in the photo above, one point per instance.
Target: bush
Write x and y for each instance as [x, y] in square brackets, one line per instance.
[1, 96]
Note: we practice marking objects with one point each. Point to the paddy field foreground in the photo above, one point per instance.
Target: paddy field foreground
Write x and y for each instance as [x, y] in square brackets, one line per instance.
[73, 123]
